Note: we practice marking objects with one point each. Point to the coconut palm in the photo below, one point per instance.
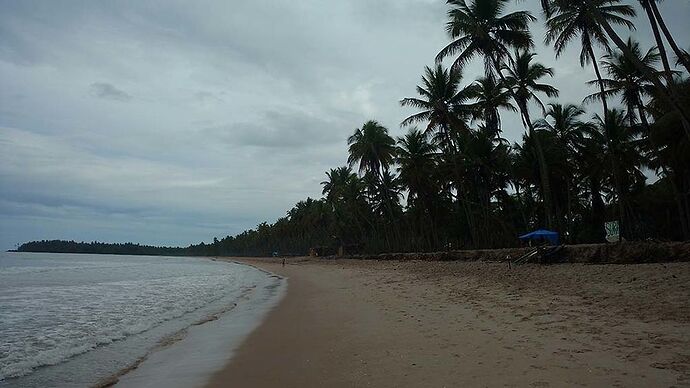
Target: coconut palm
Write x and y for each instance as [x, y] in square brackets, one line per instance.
[656, 21]
[372, 148]
[626, 81]
[591, 169]
[573, 19]
[522, 78]
[622, 158]
[564, 122]
[646, 6]
[440, 100]
[670, 152]
[604, 15]
[489, 97]
[443, 110]
[386, 197]
[417, 164]
[416, 159]
[481, 28]
[337, 186]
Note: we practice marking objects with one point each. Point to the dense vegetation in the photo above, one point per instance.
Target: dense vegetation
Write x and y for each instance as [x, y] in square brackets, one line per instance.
[455, 182]
[60, 246]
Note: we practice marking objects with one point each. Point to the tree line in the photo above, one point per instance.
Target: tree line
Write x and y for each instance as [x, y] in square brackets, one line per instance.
[453, 182]
[95, 247]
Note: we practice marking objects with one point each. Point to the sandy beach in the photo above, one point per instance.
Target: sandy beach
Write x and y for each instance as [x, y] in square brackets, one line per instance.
[347, 323]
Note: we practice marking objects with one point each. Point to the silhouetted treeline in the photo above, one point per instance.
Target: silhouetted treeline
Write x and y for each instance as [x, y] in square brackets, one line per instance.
[61, 246]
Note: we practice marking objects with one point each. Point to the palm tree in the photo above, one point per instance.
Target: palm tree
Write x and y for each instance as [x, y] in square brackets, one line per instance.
[372, 148]
[484, 168]
[646, 6]
[670, 152]
[627, 81]
[522, 78]
[603, 15]
[570, 19]
[481, 29]
[335, 188]
[416, 159]
[622, 157]
[441, 103]
[386, 197]
[564, 122]
[591, 170]
[343, 190]
[656, 21]
[489, 98]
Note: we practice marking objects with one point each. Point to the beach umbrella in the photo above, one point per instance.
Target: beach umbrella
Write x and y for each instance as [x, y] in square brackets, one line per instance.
[541, 234]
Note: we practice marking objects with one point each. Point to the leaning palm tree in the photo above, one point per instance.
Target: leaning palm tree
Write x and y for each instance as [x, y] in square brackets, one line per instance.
[647, 7]
[440, 100]
[522, 77]
[570, 20]
[604, 15]
[372, 148]
[656, 21]
[626, 81]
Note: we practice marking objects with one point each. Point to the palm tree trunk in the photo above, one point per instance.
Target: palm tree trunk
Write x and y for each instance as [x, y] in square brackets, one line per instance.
[622, 219]
[669, 37]
[466, 204]
[666, 93]
[683, 215]
[659, 42]
[543, 168]
[599, 79]
[521, 204]
[643, 116]
[685, 196]
[597, 205]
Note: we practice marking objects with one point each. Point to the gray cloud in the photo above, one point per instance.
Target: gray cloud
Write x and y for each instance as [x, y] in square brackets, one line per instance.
[276, 129]
[108, 92]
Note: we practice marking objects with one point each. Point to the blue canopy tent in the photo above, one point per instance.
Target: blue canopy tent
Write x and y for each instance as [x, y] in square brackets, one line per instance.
[541, 234]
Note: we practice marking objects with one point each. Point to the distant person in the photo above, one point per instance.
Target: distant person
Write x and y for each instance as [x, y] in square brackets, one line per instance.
[283, 262]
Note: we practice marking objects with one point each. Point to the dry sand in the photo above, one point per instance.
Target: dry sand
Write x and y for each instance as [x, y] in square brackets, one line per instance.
[349, 323]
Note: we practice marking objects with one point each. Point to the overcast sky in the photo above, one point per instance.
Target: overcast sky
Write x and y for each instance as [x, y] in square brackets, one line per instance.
[174, 122]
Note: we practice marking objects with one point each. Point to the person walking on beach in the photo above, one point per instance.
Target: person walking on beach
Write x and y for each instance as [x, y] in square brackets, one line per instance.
[283, 262]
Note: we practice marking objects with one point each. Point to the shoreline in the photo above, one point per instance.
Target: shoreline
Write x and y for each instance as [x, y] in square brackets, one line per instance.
[189, 356]
[413, 323]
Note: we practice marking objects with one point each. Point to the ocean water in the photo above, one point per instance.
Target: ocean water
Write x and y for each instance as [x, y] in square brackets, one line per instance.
[71, 320]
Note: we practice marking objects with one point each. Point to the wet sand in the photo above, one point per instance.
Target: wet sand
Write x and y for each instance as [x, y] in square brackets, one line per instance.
[347, 323]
